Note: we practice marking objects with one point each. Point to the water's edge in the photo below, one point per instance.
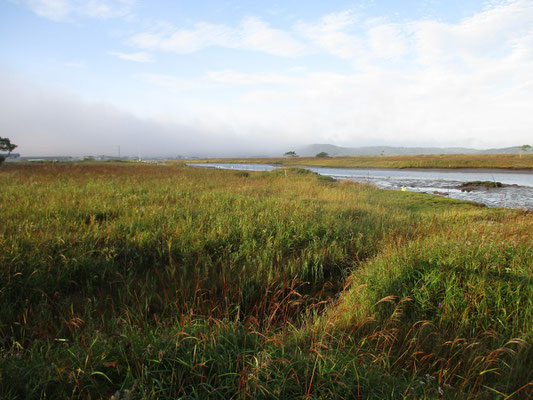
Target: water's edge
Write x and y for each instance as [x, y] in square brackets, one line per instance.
[517, 191]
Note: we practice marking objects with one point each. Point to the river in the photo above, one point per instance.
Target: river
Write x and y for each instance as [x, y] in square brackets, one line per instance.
[517, 190]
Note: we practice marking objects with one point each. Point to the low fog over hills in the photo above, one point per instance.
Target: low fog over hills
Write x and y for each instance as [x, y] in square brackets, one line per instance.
[332, 150]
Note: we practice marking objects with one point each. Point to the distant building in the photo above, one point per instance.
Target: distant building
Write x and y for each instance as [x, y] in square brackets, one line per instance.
[47, 158]
[103, 157]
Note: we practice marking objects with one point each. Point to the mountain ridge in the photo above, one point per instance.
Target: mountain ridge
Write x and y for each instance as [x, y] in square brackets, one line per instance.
[333, 150]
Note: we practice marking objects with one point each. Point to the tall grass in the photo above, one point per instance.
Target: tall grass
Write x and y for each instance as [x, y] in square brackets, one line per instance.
[456, 304]
[167, 281]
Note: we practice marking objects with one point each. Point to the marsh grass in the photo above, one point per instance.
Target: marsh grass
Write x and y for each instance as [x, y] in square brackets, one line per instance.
[476, 185]
[453, 161]
[455, 300]
[167, 281]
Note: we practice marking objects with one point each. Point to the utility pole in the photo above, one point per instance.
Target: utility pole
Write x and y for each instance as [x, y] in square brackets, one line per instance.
[119, 151]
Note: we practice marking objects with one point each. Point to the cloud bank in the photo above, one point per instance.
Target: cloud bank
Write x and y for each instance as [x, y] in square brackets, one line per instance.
[45, 120]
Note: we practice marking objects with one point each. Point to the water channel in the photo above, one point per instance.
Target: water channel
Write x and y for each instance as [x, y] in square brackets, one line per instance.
[516, 192]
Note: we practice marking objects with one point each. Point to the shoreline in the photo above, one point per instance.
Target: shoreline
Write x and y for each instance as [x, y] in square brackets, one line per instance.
[436, 169]
[418, 178]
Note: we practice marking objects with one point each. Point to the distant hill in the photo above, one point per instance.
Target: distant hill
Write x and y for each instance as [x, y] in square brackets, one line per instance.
[332, 150]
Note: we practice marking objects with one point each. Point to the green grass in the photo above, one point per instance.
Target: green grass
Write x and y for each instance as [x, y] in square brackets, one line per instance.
[506, 161]
[176, 282]
[456, 300]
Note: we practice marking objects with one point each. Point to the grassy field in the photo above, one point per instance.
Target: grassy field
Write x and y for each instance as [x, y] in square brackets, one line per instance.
[144, 282]
[507, 161]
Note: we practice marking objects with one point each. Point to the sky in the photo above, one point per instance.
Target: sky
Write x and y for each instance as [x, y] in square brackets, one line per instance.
[237, 78]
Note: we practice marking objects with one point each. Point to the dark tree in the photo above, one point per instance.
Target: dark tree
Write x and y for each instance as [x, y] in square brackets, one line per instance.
[6, 145]
[291, 154]
[322, 154]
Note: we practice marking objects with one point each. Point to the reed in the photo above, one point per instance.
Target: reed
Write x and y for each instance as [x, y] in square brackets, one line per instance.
[145, 281]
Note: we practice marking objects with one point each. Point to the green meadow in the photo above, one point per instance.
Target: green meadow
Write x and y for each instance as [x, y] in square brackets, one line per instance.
[138, 281]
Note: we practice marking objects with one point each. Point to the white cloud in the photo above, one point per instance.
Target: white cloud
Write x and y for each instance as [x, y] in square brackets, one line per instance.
[239, 78]
[256, 35]
[171, 82]
[213, 80]
[141, 56]
[485, 35]
[252, 34]
[185, 41]
[65, 10]
[425, 108]
[330, 35]
[387, 41]
[56, 10]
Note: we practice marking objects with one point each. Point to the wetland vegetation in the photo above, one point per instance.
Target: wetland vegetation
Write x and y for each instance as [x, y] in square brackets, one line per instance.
[448, 161]
[145, 281]
[476, 185]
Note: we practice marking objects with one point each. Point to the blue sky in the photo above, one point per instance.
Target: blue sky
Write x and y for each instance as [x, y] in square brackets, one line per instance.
[258, 77]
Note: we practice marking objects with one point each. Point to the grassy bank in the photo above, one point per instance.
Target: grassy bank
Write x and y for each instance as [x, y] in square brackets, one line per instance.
[173, 282]
[506, 161]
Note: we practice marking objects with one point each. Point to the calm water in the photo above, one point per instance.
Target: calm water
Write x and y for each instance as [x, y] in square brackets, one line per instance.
[518, 193]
